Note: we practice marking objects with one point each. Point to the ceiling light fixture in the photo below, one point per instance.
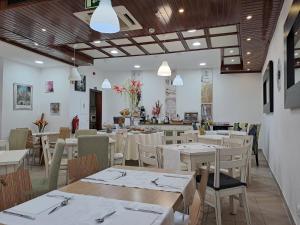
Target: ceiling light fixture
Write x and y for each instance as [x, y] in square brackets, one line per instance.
[181, 10]
[97, 42]
[296, 53]
[164, 70]
[248, 69]
[44, 30]
[137, 66]
[249, 17]
[106, 84]
[36, 44]
[248, 62]
[231, 51]
[74, 75]
[105, 19]
[248, 39]
[178, 81]
[114, 51]
[203, 64]
[192, 31]
[232, 60]
[196, 43]
[248, 53]
[39, 62]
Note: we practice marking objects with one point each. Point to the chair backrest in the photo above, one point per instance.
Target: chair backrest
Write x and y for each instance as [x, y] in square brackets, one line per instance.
[122, 140]
[197, 207]
[149, 155]
[55, 164]
[225, 159]
[233, 142]
[94, 144]
[46, 153]
[85, 132]
[18, 139]
[82, 167]
[190, 137]
[240, 126]
[64, 133]
[15, 188]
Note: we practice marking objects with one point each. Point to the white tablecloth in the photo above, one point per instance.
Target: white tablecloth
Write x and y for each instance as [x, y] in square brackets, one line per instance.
[84, 210]
[134, 138]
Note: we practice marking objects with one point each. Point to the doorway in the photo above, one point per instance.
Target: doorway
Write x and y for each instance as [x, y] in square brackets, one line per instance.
[95, 109]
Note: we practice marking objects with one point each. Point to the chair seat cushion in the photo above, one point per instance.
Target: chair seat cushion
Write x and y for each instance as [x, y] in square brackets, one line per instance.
[225, 181]
[118, 156]
[181, 219]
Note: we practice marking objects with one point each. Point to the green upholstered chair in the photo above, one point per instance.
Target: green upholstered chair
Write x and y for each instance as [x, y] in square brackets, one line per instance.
[44, 185]
[85, 132]
[18, 139]
[95, 144]
[254, 130]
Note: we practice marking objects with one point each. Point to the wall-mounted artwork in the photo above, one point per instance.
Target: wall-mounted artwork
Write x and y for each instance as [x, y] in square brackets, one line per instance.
[170, 101]
[268, 89]
[55, 109]
[292, 58]
[81, 85]
[49, 86]
[206, 95]
[22, 96]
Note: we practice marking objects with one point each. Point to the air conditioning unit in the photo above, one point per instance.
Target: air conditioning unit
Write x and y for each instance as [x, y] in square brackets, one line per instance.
[127, 21]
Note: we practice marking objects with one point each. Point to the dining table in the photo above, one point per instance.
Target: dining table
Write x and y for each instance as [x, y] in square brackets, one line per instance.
[216, 137]
[12, 160]
[89, 202]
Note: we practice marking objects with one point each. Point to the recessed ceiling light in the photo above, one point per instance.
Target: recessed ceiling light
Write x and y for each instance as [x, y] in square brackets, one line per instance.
[248, 62]
[114, 52]
[296, 53]
[249, 17]
[137, 66]
[196, 43]
[248, 39]
[231, 51]
[203, 64]
[39, 62]
[232, 60]
[181, 10]
[248, 53]
[72, 58]
[36, 44]
[44, 30]
[248, 69]
[192, 31]
[97, 42]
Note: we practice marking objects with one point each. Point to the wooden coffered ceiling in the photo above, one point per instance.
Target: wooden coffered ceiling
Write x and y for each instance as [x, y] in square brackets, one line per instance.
[49, 27]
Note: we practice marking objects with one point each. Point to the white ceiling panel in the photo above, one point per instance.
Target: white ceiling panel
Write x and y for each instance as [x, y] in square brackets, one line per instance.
[79, 46]
[153, 48]
[232, 60]
[133, 50]
[221, 30]
[122, 41]
[223, 41]
[94, 53]
[174, 46]
[108, 50]
[231, 51]
[196, 33]
[169, 36]
[143, 39]
[101, 44]
[202, 42]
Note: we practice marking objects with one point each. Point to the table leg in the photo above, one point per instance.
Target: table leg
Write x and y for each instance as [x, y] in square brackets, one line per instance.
[42, 160]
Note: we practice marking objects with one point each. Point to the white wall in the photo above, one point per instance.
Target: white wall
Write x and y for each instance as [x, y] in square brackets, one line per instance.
[18, 73]
[280, 131]
[1, 93]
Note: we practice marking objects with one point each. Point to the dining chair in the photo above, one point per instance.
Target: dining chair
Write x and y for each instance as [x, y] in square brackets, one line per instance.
[149, 155]
[95, 144]
[83, 132]
[254, 130]
[175, 139]
[197, 208]
[50, 183]
[18, 139]
[119, 157]
[82, 167]
[221, 185]
[190, 137]
[33, 144]
[15, 188]
[232, 142]
[64, 133]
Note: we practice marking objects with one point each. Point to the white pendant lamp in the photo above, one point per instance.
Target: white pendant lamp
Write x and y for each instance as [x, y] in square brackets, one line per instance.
[164, 70]
[178, 81]
[105, 19]
[74, 75]
[106, 84]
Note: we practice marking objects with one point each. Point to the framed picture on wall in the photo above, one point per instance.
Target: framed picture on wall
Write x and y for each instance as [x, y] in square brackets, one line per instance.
[22, 96]
[81, 85]
[55, 109]
[268, 89]
[49, 87]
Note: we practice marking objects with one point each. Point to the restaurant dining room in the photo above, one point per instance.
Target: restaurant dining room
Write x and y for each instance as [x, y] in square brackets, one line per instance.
[149, 112]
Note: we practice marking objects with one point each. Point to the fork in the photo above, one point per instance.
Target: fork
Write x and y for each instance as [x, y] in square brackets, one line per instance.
[159, 185]
[62, 204]
[101, 220]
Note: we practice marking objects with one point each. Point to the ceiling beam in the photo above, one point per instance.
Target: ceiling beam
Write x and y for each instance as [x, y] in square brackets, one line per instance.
[208, 41]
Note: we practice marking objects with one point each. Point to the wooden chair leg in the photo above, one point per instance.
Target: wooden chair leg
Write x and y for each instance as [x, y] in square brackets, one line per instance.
[218, 209]
[256, 157]
[246, 207]
[232, 205]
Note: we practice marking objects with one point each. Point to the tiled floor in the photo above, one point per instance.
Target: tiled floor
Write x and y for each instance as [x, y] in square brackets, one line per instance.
[265, 202]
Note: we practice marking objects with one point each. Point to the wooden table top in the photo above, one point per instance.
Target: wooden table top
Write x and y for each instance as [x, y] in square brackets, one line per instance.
[162, 198]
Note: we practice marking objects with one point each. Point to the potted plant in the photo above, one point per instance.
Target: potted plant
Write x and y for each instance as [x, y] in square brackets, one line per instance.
[41, 123]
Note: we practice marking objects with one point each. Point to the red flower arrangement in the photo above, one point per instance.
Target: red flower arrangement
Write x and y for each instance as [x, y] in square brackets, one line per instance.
[41, 123]
[156, 109]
